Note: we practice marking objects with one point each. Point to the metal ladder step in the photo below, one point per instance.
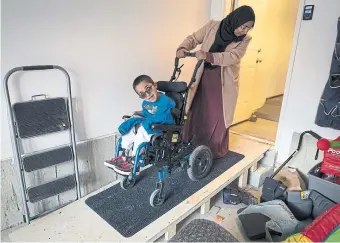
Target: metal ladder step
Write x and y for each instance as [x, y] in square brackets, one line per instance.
[50, 189]
[46, 159]
[39, 117]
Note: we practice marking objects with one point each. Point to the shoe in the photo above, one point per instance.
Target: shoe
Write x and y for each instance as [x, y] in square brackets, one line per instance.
[124, 168]
[114, 162]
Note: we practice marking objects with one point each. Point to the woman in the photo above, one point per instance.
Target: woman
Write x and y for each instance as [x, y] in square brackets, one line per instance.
[212, 99]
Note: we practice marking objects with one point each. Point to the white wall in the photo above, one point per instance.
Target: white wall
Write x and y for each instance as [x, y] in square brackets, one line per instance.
[104, 44]
[309, 73]
[217, 9]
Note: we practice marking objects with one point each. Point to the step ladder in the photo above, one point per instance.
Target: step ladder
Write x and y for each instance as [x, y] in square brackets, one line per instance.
[34, 118]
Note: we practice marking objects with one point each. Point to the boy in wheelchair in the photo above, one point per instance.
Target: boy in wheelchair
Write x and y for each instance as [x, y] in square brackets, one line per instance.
[158, 140]
[137, 130]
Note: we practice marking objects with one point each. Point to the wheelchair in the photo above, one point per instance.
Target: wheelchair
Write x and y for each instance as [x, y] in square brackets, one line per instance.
[167, 150]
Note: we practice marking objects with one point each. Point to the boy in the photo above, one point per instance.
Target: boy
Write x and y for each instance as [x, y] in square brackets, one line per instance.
[156, 109]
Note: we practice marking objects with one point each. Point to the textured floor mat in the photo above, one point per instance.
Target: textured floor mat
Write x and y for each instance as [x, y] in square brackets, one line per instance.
[202, 230]
[129, 211]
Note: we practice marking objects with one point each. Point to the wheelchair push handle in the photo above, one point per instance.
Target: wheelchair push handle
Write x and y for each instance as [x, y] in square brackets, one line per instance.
[189, 54]
[177, 69]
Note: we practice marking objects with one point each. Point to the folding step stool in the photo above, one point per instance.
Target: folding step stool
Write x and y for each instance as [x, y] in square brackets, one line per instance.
[34, 118]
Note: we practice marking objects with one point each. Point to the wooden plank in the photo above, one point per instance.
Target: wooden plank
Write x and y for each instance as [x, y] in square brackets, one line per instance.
[243, 180]
[77, 222]
[205, 207]
[171, 232]
[254, 167]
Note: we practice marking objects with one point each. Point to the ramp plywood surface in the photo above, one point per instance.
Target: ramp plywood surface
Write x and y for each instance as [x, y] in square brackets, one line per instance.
[77, 222]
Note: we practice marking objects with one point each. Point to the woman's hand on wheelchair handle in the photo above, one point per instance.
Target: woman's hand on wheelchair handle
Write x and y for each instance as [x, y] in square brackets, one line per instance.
[180, 53]
[201, 55]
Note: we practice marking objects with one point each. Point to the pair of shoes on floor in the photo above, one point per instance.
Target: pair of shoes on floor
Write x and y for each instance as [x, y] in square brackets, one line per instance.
[122, 165]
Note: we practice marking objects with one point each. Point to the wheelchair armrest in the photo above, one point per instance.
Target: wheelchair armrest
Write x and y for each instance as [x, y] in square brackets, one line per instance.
[126, 117]
[166, 127]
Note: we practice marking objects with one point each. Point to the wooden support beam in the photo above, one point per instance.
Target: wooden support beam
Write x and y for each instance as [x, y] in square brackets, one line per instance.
[254, 167]
[205, 207]
[171, 231]
[243, 179]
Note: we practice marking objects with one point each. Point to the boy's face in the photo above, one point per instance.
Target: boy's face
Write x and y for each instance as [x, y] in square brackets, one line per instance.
[147, 91]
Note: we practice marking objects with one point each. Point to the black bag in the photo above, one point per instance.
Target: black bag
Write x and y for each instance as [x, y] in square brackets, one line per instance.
[272, 189]
[328, 114]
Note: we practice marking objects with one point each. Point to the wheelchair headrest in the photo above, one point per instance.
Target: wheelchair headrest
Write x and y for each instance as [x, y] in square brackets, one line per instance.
[177, 87]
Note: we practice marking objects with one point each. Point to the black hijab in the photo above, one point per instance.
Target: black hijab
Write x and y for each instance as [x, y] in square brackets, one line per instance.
[225, 33]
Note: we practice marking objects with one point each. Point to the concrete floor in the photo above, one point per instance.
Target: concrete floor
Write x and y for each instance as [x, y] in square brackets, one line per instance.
[230, 222]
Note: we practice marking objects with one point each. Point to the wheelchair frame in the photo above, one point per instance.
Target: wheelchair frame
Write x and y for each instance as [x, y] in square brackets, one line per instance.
[187, 153]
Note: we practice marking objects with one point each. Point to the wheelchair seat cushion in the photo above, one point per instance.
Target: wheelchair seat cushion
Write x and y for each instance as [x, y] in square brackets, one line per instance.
[166, 86]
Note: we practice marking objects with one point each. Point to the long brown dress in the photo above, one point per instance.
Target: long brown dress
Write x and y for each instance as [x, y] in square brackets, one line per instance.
[205, 124]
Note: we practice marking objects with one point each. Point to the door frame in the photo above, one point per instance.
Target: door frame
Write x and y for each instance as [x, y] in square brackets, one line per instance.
[229, 4]
[290, 66]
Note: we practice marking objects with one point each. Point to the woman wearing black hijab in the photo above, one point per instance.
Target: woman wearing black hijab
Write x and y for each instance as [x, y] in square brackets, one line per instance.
[212, 99]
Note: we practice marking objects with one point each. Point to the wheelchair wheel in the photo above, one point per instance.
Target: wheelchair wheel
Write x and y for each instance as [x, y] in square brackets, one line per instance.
[157, 198]
[127, 182]
[200, 163]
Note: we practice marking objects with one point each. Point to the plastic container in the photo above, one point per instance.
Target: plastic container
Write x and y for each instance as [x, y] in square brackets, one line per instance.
[326, 188]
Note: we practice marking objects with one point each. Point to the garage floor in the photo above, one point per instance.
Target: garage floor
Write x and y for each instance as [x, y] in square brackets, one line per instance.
[230, 222]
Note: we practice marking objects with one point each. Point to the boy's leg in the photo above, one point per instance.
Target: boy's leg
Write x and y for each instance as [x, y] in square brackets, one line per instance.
[141, 137]
[127, 141]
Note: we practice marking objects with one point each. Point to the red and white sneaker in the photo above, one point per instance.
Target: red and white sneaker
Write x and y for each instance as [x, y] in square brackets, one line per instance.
[114, 162]
[124, 168]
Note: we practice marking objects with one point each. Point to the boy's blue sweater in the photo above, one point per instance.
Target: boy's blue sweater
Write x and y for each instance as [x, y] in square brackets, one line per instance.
[153, 112]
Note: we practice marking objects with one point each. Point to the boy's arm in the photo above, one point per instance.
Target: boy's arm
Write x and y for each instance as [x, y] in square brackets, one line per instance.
[138, 114]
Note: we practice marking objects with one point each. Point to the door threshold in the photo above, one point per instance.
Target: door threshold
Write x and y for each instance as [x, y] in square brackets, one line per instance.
[261, 140]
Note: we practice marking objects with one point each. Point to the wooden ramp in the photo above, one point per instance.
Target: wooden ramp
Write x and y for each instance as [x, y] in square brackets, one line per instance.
[77, 222]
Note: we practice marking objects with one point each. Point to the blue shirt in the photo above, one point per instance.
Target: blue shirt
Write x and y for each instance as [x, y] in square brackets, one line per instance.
[157, 112]
[153, 113]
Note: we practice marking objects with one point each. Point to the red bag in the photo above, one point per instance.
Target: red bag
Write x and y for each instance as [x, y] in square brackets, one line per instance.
[331, 161]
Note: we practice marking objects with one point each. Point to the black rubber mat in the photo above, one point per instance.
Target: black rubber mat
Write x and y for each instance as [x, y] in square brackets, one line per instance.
[202, 230]
[129, 211]
[46, 159]
[39, 117]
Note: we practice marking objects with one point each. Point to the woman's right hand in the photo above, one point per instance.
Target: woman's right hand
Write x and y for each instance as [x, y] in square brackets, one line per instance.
[180, 53]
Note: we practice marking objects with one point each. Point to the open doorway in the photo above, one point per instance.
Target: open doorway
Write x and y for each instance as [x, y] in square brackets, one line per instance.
[264, 67]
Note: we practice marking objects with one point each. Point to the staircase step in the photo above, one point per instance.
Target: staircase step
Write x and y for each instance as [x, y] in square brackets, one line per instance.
[269, 112]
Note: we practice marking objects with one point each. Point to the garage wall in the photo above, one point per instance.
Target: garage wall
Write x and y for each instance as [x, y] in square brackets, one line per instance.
[104, 45]
[309, 70]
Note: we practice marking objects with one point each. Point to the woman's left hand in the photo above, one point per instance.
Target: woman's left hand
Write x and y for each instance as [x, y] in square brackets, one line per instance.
[201, 55]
